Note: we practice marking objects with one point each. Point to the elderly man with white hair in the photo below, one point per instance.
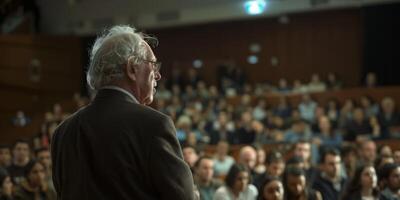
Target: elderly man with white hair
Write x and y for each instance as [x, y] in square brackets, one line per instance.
[117, 147]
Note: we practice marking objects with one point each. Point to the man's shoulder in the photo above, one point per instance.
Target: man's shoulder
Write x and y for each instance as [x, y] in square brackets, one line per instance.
[147, 113]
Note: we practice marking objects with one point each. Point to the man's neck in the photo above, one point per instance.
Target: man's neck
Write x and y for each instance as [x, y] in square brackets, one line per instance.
[331, 179]
[204, 183]
[21, 163]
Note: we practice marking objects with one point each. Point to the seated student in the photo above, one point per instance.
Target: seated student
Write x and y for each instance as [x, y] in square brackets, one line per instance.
[271, 189]
[190, 156]
[6, 185]
[248, 157]
[237, 185]
[5, 156]
[203, 178]
[275, 165]
[363, 185]
[389, 178]
[34, 186]
[294, 182]
[21, 157]
[222, 161]
[330, 181]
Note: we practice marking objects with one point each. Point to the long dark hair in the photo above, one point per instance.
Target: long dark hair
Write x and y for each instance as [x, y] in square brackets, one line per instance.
[233, 173]
[267, 180]
[354, 187]
[293, 171]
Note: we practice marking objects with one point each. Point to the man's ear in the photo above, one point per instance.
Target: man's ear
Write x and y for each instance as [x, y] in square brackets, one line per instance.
[131, 69]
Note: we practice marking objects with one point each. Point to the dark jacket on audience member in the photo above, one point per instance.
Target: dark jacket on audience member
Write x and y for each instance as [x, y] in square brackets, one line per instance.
[116, 148]
[327, 188]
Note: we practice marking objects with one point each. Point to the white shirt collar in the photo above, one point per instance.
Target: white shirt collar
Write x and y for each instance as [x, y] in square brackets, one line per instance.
[121, 90]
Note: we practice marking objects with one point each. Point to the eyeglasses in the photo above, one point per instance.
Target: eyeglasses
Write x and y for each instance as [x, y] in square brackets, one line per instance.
[156, 64]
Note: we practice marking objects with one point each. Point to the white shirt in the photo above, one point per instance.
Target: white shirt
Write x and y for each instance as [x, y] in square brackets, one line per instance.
[224, 193]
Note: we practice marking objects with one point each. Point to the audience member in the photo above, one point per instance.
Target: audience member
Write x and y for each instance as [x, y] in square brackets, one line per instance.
[260, 167]
[388, 117]
[363, 185]
[237, 185]
[307, 108]
[316, 85]
[5, 156]
[203, 178]
[299, 131]
[271, 189]
[222, 161]
[248, 157]
[275, 166]
[329, 181]
[20, 120]
[357, 128]
[389, 176]
[43, 156]
[396, 156]
[371, 80]
[349, 160]
[6, 185]
[367, 152]
[295, 184]
[190, 156]
[332, 82]
[21, 157]
[34, 185]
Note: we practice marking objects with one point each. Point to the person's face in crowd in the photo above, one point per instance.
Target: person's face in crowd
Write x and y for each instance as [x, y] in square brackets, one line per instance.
[282, 83]
[190, 156]
[222, 118]
[146, 76]
[365, 102]
[331, 166]
[388, 105]
[315, 78]
[44, 157]
[260, 156]
[296, 185]
[205, 170]
[371, 79]
[369, 178]
[222, 148]
[306, 98]
[276, 168]
[331, 77]
[358, 115]
[37, 175]
[241, 182]
[5, 157]
[396, 156]
[246, 117]
[249, 158]
[303, 150]
[324, 124]
[394, 180]
[273, 190]
[385, 151]
[368, 151]
[7, 186]
[21, 151]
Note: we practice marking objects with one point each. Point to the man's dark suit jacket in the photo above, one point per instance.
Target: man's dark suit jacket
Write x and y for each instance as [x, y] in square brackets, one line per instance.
[116, 148]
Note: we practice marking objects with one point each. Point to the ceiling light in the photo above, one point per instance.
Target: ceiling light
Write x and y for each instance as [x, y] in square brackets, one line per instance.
[255, 7]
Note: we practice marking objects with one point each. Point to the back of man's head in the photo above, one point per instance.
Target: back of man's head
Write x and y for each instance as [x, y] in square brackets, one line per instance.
[110, 53]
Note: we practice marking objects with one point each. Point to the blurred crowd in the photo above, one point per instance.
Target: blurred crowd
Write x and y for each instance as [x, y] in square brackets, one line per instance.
[250, 149]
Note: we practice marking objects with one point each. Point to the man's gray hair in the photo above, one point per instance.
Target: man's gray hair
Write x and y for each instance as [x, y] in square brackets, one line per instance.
[111, 52]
